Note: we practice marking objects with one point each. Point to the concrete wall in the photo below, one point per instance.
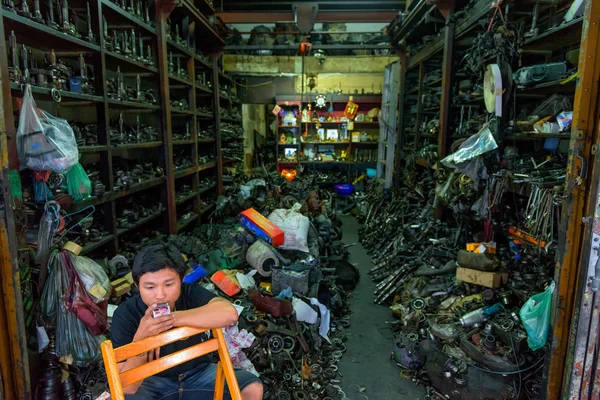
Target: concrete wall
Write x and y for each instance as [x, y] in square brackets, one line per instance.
[269, 76]
[253, 120]
[265, 77]
[282, 65]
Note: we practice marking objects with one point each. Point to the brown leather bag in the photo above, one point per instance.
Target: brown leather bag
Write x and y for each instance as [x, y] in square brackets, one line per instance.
[277, 308]
[79, 302]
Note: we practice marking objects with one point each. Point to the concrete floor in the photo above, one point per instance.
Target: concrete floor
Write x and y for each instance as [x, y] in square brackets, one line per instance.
[367, 360]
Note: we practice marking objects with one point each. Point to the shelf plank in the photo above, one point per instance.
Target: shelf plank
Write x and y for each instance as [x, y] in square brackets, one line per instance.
[92, 201]
[180, 79]
[204, 115]
[183, 142]
[434, 83]
[182, 224]
[139, 66]
[328, 143]
[366, 143]
[133, 104]
[91, 246]
[207, 208]
[64, 94]
[92, 149]
[139, 187]
[209, 140]
[42, 37]
[146, 145]
[554, 38]
[551, 87]
[338, 162]
[231, 121]
[185, 172]
[115, 9]
[202, 63]
[138, 223]
[207, 188]
[206, 166]
[190, 196]
[180, 48]
[229, 99]
[183, 112]
[204, 89]
[537, 136]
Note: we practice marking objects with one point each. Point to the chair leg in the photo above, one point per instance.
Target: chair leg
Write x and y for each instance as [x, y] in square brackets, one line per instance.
[227, 366]
[219, 382]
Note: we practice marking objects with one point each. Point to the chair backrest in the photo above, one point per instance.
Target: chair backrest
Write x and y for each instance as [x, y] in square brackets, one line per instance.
[113, 356]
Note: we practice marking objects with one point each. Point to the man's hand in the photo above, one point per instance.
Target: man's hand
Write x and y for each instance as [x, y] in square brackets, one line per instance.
[150, 326]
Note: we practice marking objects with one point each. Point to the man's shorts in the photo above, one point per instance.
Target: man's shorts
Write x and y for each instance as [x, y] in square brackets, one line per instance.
[196, 384]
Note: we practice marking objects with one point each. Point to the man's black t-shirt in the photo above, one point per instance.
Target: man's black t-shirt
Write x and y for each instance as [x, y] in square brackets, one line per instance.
[128, 315]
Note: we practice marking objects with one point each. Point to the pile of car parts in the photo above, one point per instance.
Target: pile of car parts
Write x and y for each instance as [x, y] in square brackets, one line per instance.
[459, 335]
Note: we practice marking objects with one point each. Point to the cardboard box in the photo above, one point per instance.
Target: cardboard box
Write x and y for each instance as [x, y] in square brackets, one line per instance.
[122, 285]
[488, 279]
[483, 247]
[257, 224]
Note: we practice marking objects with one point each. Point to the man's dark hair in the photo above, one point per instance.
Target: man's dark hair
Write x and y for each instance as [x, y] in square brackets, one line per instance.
[158, 257]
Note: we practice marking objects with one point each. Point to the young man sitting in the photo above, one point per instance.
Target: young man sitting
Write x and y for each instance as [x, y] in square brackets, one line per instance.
[158, 272]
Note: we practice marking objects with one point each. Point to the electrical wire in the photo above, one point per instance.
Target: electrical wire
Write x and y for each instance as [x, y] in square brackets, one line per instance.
[488, 370]
[508, 373]
[78, 222]
[518, 391]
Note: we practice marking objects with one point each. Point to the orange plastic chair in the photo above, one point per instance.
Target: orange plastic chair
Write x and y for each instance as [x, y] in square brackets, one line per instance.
[118, 381]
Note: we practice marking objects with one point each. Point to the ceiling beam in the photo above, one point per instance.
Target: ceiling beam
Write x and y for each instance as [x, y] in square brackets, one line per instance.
[322, 16]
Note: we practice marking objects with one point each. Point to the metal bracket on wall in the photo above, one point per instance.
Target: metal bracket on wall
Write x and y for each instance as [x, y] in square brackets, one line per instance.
[305, 15]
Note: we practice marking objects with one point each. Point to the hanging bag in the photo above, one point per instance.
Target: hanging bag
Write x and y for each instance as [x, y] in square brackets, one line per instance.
[535, 315]
[44, 142]
[79, 302]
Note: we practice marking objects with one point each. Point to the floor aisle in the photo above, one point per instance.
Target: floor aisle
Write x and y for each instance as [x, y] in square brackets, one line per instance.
[367, 360]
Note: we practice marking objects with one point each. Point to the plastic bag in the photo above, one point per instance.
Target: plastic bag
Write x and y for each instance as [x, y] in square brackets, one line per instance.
[72, 336]
[552, 106]
[535, 315]
[294, 226]
[444, 191]
[15, 185]
[92, 276]
[48, 223]
[79, 302]
[78, 183]
[44, 142]
[296, 280]
[50, 294]
[476, 145]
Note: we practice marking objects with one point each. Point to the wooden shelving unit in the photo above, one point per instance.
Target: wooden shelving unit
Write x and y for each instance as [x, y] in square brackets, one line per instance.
[442, 55]
[352, 149]
[547, 40]
[197, 53]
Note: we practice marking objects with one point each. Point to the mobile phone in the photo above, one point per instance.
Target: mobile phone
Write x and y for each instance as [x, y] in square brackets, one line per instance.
[161, 310]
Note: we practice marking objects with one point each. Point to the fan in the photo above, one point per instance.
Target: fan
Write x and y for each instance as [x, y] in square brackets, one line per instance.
[497, 87]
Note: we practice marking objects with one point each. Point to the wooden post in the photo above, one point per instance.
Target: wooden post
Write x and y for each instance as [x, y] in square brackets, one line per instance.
[401, 100]
[217, 121]
[447, 81]
[571, 272]
[14, 365]
[419, 120]
[167, 136]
